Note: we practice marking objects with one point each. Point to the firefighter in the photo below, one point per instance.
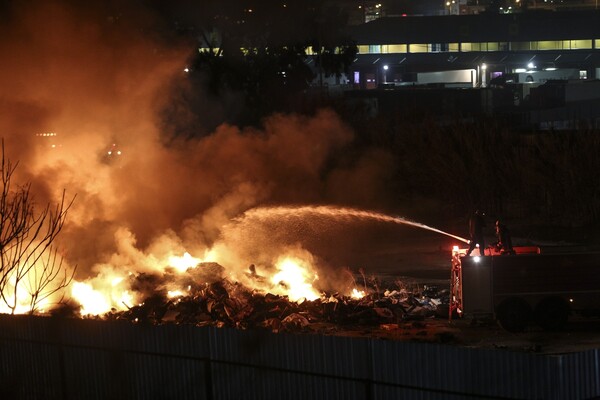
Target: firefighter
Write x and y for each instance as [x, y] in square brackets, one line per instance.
[504, 243]
[476, 225]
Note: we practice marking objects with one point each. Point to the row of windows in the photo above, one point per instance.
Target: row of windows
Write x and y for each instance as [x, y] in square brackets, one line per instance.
[475, 46]
[480, 46]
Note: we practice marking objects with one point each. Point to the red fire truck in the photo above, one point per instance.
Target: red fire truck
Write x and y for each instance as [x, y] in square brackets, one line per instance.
[525, 287]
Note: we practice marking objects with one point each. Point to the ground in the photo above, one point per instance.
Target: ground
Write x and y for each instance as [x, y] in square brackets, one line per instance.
[427, 262]
[578, 335]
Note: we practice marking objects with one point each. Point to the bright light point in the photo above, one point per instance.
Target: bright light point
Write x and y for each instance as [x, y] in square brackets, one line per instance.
[357, 294]
[186, 70]
[483, 66]
[520, 70]
[385, 67]
[476, 259]
[530, 65]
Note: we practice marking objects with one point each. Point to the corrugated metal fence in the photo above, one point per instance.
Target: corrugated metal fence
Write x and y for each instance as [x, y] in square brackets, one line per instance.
[49, 358]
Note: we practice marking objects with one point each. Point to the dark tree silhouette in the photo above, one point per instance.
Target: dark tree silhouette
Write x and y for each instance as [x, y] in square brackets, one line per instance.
[31, 270]
[257, 51]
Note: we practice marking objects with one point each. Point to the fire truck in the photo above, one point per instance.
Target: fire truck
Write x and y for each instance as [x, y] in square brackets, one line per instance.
[528, 286]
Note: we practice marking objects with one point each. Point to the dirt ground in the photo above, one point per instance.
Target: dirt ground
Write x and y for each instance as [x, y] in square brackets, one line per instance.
[579, 335]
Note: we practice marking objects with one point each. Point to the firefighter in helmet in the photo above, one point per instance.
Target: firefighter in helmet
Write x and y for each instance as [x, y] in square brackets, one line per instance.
[504, 243]
[476, 225]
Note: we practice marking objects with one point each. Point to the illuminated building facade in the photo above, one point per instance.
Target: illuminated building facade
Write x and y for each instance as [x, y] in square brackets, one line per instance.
[394, 50]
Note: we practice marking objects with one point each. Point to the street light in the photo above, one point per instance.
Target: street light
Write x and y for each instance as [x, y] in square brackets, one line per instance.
[385, 68]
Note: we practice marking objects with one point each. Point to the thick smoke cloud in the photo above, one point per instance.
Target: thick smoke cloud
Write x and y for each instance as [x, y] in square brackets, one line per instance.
[100, 80]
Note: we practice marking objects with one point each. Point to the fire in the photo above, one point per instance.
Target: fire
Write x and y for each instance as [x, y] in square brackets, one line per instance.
[183, 263]
[175, 293]
[357, 294]
[111, 289]
[92, 301]
[22, 292]
[293, 279]
[101, 294]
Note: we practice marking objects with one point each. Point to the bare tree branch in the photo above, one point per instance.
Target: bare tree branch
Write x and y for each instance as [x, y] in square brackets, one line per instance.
[31, 269]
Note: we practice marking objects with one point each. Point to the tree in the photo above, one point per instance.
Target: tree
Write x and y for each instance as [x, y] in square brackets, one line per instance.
[258, 52]
[334, 51]
[31, 270]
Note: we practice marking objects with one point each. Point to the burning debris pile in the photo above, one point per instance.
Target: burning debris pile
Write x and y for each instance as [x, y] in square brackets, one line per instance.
[225, 303]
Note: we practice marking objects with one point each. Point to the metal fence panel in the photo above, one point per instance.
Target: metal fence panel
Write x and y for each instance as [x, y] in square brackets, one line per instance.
[28, 370]
[328, 355]
[75, 358]
[235, 382]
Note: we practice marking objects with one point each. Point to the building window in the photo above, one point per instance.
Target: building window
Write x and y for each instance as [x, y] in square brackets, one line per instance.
[418, 48]
[363, 49]
[493, 46]
[549, 45]
[453, 47]
[374, 49]
[581, 44]
[397, 48]
[520, 46]
[439, 47]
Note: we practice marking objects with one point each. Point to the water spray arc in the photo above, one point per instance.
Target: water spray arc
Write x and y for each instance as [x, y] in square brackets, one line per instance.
[338, 212]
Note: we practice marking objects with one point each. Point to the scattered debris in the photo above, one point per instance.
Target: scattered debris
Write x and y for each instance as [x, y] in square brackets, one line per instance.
[227, 304]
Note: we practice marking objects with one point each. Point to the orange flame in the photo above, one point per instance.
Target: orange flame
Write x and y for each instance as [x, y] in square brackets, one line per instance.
[293, 279]
[357, 294]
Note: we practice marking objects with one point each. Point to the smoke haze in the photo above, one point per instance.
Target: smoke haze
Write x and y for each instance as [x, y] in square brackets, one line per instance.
[99, 81]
